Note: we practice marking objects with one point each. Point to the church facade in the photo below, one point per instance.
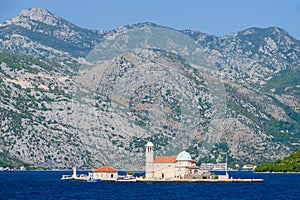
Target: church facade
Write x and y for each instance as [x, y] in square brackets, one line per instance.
[168, 167]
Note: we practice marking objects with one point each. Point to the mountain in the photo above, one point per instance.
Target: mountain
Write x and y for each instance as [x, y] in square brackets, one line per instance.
[38, 33]
[261, 72]
[253, 55]
[76, 96]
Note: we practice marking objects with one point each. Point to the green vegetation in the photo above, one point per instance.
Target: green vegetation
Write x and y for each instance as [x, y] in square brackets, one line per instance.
[288, 109]
[193, 150]
[288, 164]
[130, 173]
[138, 144]
[285, 82]
[64, 45]
[20, 62]
[283, 131]
[6, 160]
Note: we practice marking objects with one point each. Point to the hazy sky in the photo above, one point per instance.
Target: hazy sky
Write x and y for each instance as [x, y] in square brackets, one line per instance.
[216, 17]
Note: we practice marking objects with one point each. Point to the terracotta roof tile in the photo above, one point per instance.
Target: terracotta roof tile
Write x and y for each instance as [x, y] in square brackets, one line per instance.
[165, 159]
[105, 169]
[194, 167]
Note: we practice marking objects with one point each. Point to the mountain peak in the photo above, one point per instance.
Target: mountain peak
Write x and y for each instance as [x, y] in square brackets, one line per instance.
[33, 14]
[269, 30]
[39, 14]
[134, 26]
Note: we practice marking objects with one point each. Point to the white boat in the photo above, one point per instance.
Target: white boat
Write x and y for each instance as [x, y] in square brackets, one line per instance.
[82, 177]
[127, 178]
[67, 177]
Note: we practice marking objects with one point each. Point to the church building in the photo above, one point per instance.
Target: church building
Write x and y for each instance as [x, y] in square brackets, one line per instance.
[168, 167]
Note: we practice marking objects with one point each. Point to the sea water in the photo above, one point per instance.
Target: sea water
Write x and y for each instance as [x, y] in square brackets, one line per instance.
[47, 185]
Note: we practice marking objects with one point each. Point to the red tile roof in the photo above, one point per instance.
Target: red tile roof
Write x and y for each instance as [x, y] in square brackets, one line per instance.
[193, 161]
[194, 167]
[105, 169]
[165, 159]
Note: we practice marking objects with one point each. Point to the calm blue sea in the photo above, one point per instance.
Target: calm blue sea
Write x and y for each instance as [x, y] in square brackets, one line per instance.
[47, 185]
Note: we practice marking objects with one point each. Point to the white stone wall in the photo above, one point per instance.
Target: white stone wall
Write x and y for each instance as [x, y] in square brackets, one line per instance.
[104, 175]
[164, 170]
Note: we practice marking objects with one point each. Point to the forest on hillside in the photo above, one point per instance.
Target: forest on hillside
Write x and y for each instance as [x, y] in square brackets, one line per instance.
[287, 164]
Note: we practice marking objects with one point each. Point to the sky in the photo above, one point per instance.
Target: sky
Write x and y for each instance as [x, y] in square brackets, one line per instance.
[215, 17]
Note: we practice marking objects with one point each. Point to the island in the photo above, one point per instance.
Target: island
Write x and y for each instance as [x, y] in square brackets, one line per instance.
[176, 168]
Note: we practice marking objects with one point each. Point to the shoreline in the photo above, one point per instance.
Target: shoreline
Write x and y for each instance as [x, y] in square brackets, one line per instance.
[277, 172]
[86, 170]
[200, 180]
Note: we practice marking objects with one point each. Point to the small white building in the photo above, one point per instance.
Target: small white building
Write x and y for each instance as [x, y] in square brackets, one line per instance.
[211, 166]
[105, 173]
[221, 166]
[248, 167]
[207, 166]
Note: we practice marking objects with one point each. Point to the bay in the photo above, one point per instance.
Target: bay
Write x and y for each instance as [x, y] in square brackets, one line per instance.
[47, 185]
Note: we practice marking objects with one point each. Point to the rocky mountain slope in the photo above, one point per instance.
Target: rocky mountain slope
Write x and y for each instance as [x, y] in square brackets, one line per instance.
[75, 96]
[40, 34]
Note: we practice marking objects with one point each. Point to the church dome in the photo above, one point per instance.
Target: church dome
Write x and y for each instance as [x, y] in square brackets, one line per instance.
[184, 156]
[149, 144]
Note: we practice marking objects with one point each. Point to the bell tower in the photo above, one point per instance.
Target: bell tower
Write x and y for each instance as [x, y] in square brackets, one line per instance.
[149, 160]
